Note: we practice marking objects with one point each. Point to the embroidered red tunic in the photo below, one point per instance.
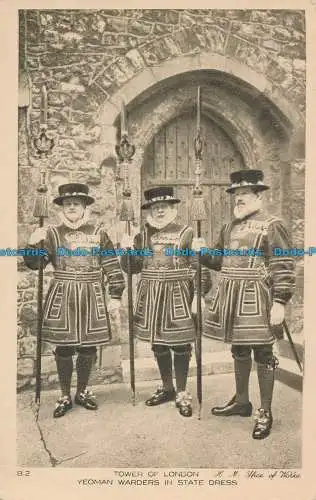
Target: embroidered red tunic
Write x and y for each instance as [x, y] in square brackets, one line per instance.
[162, 312]
[75, 310]
[240, 306]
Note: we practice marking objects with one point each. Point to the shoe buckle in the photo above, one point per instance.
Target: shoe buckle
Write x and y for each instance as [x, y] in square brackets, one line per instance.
[262, 417]
[184, 398]
[87, 394]
[160, 390]
[62, 402]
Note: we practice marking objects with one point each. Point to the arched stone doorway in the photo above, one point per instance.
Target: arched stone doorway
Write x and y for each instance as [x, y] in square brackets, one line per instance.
[247, 127]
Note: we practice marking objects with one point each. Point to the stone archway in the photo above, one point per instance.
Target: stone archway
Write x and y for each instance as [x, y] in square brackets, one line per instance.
[258, 128]
[197, 62]
[227, 76]
[233, 76]
[144, 83]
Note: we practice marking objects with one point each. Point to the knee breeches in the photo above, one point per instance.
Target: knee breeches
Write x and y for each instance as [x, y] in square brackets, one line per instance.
[68, 351]
[263, 354]
[160, 350]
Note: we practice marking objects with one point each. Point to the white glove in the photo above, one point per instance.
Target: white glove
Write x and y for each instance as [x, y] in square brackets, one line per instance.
[127, 241]
[38, 235]
[197, 244]
[113, 305]
[277, 313]
[194, 304]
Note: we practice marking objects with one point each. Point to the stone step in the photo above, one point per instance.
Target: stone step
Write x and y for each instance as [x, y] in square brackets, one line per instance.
[289, 373]
[144, 350]
[214, 363]
[285, 349]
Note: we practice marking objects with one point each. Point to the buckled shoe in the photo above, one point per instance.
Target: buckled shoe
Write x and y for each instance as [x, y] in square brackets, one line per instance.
[160, 396]
[184, 403]
[86, 399]
[263, 424]
[233, 408]
[63, 405]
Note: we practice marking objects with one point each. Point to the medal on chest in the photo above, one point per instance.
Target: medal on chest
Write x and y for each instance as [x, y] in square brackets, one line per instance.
[161, 241]
[75, 239]
[245, 234]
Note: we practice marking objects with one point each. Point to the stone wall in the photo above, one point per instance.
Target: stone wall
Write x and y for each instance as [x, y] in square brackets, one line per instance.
[255, 61]
[85, 58]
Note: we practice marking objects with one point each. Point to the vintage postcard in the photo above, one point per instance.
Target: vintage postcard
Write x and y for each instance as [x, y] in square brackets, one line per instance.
[158, 250]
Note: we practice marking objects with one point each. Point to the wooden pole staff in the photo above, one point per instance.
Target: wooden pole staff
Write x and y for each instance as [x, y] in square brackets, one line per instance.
[198, 215]
[125, 152]
[43, 146]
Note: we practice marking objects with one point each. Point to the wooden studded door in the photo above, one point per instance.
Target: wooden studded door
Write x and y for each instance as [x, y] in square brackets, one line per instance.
[169, 159]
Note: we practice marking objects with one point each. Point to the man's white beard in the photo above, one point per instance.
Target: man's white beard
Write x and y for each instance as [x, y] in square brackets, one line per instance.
[243, 210]
[164, 221]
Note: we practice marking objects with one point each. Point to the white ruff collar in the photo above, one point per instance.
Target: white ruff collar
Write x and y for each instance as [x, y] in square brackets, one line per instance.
[75, 225]
[159, 224]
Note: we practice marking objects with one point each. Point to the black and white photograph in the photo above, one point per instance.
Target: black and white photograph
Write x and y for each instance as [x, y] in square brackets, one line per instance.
[161, 242]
